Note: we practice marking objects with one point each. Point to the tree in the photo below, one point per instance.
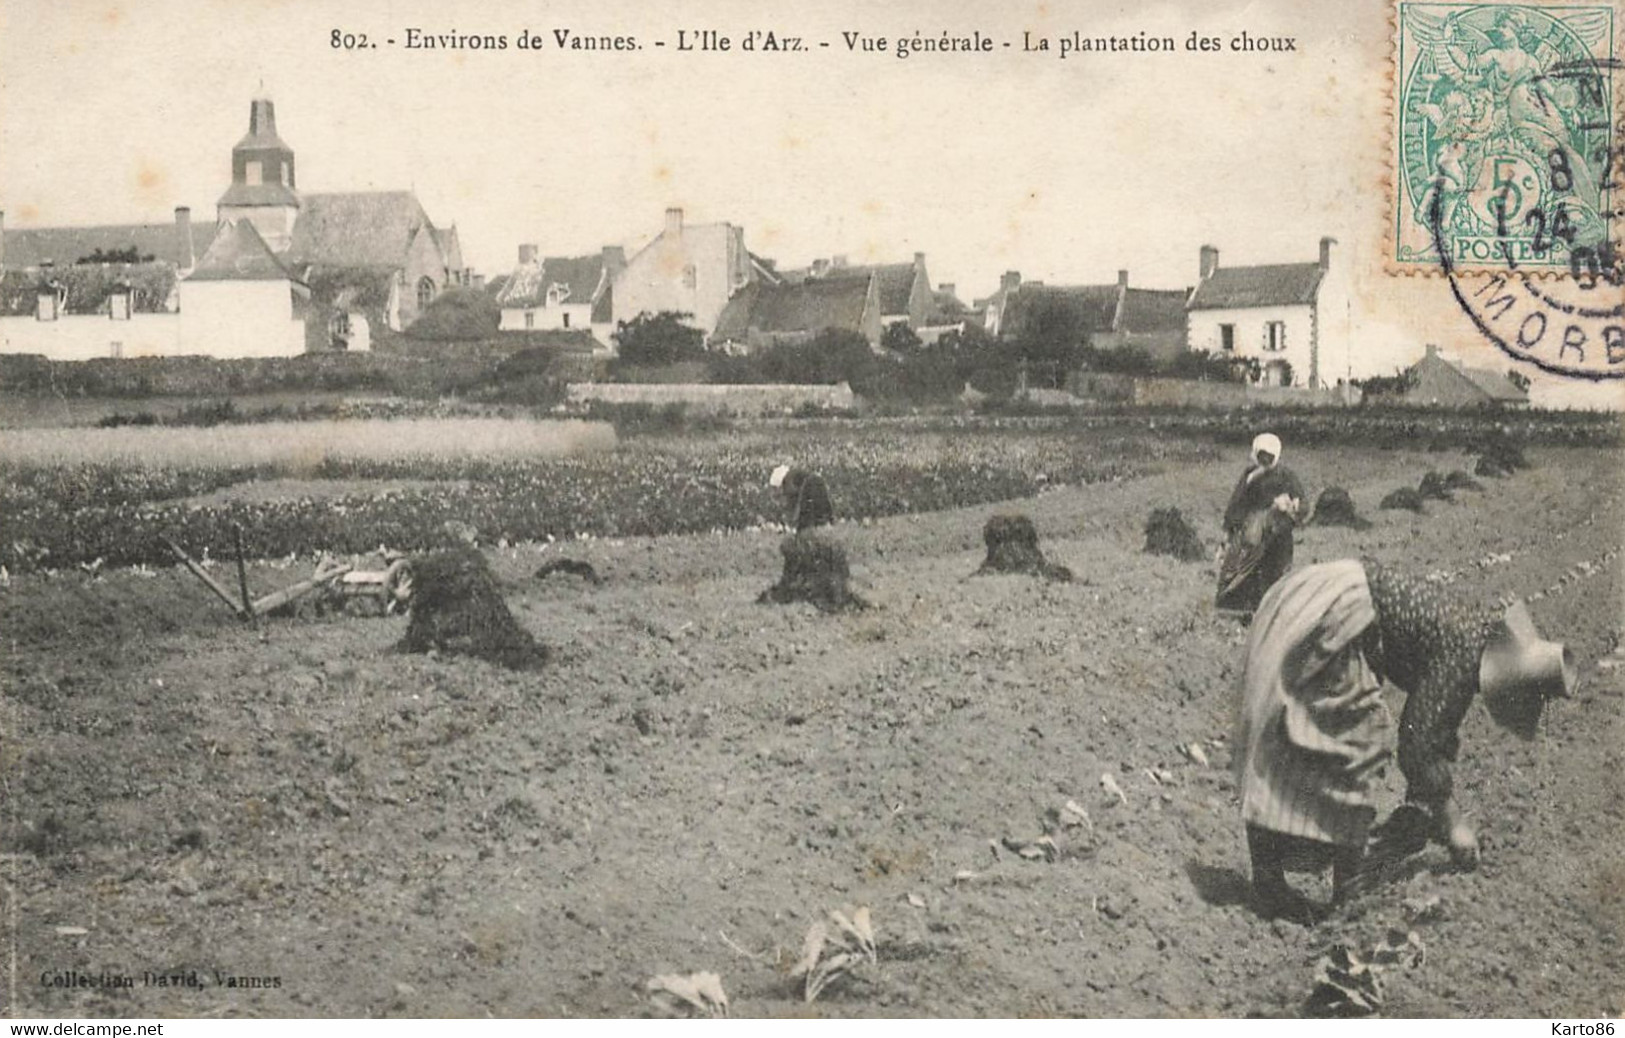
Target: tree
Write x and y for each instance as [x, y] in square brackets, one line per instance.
[899, 338]
[1048, 339]
[655, 339]
[833, 355]
[458, 315]
[1397, 384]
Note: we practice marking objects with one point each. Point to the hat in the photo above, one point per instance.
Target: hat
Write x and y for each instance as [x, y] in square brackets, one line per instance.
[777, 478]
[1519, 670]
[1267, 442]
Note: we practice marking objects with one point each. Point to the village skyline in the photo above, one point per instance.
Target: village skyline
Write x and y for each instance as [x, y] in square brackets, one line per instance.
[1065, 171]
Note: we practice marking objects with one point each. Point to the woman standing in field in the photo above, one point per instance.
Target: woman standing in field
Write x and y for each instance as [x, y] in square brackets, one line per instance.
[1258, 525]
[806, 498]
[1312, 728]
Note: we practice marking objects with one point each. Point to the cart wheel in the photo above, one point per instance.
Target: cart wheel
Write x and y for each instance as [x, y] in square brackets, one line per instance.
[398, 586]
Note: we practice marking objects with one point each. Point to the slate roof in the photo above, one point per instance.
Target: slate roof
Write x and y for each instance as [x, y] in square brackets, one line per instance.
[63, 246]
[896, 283]
[1083, 309]
[528, 285]
[259, 194]
[238, 253]
[807, 307]
[1282, 284]
[88, 285]
[1492, 384]
[1153, 310]
[357, 228]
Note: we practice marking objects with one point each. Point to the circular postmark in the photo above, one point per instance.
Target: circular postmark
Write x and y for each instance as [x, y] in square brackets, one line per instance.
[1548, 285]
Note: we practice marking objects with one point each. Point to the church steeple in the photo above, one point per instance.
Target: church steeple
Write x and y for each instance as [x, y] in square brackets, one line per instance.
[262, 179]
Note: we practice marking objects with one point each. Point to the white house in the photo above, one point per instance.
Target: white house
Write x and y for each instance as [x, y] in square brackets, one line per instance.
[1293, 318]
[574, 293]
[240, 301]
[688, 268]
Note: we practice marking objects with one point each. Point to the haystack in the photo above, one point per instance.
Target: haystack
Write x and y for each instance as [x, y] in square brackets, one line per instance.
[1434, 487]
[815, 571]
[1405, 498]
[1012, 547]
[1498, 455]
[1335, 507]
[1167, 533]
[457, 608]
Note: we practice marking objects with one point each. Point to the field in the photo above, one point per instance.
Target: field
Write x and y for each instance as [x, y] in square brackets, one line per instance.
[695, 779]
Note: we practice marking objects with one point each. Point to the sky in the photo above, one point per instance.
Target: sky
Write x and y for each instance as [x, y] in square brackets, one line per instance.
[1066, 170]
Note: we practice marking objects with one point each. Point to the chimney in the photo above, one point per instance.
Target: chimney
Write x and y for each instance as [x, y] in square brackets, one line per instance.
[820, 267]
[185, 257]
[1210, 261]
[479, 281]
[527, 255]
[946, 288]
[837, 261]
[674, 222]
[614, 259]
[1010, 281]
[1432, 350]
[919, 261]
[1122, 279]
[1326, 252]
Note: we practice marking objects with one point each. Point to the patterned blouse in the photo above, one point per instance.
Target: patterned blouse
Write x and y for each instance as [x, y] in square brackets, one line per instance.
[1428, 645]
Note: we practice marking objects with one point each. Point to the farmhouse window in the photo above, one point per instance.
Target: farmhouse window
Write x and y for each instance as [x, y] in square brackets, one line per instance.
[425, 293]
[689, 276]
[1275, 336]
[530, 319]
[116, 350]
[119, 304]
[1227, 337]
[567, 320]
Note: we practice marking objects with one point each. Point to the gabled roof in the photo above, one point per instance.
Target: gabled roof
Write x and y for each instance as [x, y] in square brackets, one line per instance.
[1153, 310]
[64, 246]
[1082, 310]
[807, 307]
[451, 246]
[579, 279]
[1491, 384]
[1282, 284]
[238, 253]
[895, 283]
[87, 285]
[357, 228]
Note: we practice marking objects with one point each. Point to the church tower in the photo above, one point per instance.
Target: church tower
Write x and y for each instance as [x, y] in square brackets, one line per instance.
[262, 181]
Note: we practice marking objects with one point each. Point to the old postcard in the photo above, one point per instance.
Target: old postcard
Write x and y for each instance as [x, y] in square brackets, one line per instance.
[725, 508]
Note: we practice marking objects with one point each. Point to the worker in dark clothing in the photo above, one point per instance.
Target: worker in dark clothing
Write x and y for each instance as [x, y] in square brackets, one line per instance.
[806, 498]
[1258, 523]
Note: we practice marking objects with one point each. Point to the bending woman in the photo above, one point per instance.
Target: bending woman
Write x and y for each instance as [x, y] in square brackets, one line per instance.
[1313, 730]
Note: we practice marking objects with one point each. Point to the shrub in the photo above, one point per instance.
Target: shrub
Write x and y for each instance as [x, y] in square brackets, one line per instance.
[655, 339]
[458, 315]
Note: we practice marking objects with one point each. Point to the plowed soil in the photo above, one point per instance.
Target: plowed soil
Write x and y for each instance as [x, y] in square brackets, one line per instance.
[695, 778]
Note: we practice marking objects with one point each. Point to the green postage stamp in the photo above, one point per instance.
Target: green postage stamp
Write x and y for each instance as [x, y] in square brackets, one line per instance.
[1506, 139]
